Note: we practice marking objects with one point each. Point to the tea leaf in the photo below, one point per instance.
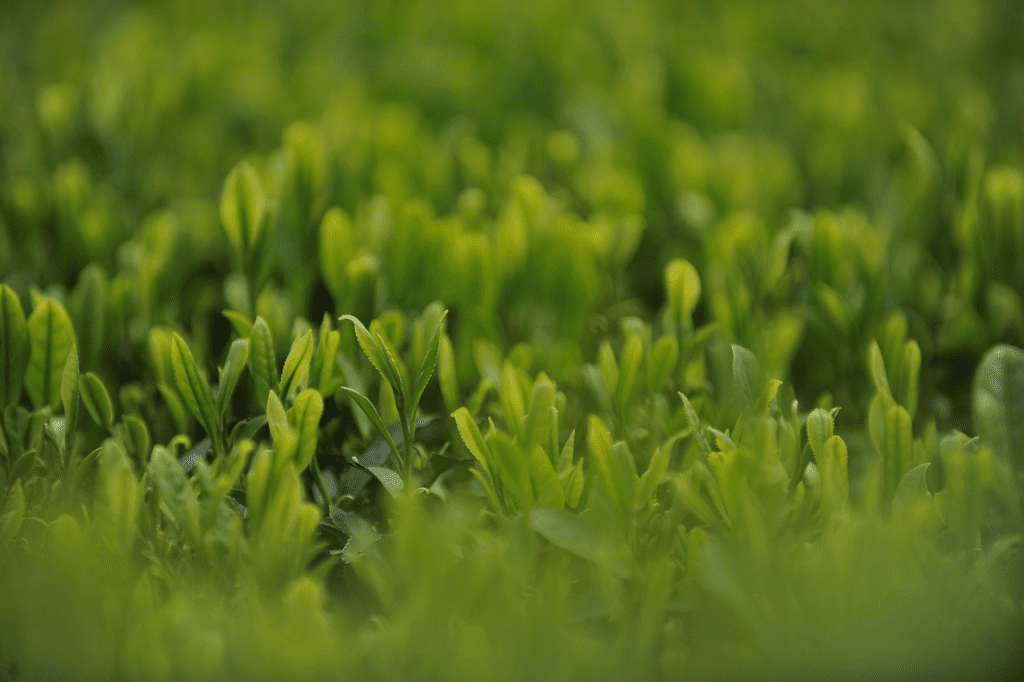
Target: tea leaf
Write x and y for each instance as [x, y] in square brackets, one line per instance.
[391, 481]
[694, 421]
[474, 441]
[446, 376]
[296, 365]
[997, 402]
[899, 445]
[335, 251]
[619, 484]
[662, 363]
[238, 356]
[632, 354]
[242, 208]
[819, 429]
[682, 282]
[538, 420]
[262, 363]
[194, 391]
[427, 366]
[175, 491]
[14, 347]
[239, 322]
[69, 398]
[304, 417]
[51, 336]
[97, 400]
[137, 436]
[373, 351]
[371, 412]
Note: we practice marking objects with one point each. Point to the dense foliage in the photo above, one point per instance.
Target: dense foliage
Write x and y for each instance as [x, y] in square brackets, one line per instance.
[510, 340]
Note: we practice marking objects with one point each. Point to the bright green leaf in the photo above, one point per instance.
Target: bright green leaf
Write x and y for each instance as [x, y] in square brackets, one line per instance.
[243, 208]
[997, 402]
[194, 391]
[304, 417]
[262, 362]
[238, 356]
[296, 365]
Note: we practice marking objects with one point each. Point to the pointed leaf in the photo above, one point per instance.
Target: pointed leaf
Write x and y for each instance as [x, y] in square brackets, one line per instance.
[97, 400]
[662, 362]
[899, 445]
[618, 485]
[371, 412]
[262, 362]
[14, 347]
[370, 347]
[69, 398]
[239, 322]
[137, 436]
[474, 441]
[194, 391]
[304, 417]
[175, 491]
[747, 378]
[629, 366]
[296, 365]
[391, 481]
[427, 366]
[238, 356]
[579, 535]
[51, 337]
[694, 422]
[997, 402]
[877, 366]
[242, 208]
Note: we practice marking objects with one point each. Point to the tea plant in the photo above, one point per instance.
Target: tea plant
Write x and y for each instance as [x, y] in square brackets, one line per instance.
[633, 341]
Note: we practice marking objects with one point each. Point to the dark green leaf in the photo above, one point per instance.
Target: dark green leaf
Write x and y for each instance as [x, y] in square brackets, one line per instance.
[97, 400]
[238, 356]
[51, 337]
[391, 481]
[14, 347]
[69, 398]
[371, 412]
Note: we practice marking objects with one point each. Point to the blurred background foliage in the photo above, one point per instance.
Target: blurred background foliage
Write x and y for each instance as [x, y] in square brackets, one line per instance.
[832, 174]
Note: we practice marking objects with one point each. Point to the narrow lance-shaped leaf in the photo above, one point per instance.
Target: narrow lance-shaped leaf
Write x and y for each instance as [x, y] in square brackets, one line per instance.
[238, 356]
[69, 398]
[617, 483]
[819, 429]
[262, 362]
[89, 295]
[899, 445]
[14, 347]
[284, 436]
[51, 336]
[370, 348]
[194, 390]
[694, 422]
[393, 371]
[304, 417]
[97, 400]
[296, 365]
[136, 436]
[371, 413]
[427, 367]
[632, 354]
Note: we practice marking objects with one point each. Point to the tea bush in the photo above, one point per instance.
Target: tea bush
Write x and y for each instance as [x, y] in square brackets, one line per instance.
[452, 340]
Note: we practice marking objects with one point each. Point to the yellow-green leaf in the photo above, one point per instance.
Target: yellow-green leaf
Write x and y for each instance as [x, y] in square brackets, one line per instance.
[97, 400]
[14, 347]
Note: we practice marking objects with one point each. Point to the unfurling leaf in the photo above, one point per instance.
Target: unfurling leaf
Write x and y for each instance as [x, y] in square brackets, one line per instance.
[296, 365]
[262, 362]
[97, 400]
[238, 356]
